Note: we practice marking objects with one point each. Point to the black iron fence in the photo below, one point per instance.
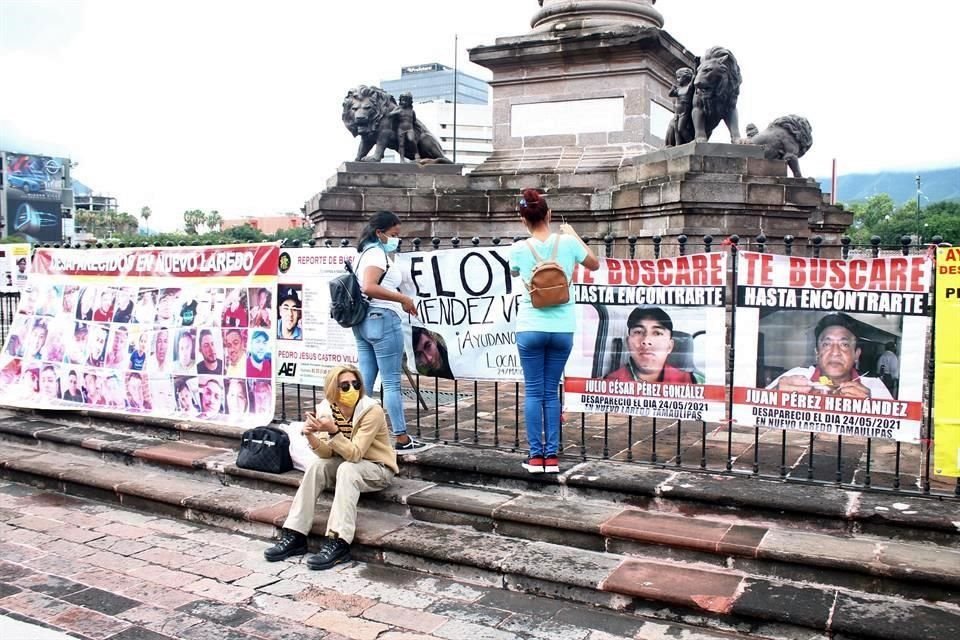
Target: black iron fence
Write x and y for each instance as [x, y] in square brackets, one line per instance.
[488, 414]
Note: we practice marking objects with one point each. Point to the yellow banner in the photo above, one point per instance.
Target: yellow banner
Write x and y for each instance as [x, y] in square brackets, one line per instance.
[946, 400]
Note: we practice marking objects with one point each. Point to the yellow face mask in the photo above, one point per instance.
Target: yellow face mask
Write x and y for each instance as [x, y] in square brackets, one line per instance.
[350, 398]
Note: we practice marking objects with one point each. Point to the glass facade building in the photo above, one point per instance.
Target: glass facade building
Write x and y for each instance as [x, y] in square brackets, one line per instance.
[434, 82]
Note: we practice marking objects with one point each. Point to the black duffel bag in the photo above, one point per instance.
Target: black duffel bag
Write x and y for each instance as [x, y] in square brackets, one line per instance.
[265, 449]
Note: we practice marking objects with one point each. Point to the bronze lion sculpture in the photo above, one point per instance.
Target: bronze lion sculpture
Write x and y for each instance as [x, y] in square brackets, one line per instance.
[366, 113]
[786, 138]
[716, 89]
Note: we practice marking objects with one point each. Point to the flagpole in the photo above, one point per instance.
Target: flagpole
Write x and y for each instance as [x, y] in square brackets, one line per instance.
[455, 83]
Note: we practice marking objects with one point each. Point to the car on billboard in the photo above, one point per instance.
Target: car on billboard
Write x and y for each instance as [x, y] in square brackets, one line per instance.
[28, 182]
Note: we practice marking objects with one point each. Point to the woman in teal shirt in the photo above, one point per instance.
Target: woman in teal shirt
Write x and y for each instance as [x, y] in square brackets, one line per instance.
[545, 335]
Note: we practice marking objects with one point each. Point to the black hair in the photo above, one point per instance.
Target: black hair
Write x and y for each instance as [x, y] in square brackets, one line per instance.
[380, 221]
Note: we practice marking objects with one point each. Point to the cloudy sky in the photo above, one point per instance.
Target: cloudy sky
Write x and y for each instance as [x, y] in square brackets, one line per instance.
[235, 105]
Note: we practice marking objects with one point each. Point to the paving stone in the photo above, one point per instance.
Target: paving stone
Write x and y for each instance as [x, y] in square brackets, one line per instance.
[693, 533]
[171, 543]
[218, 591]
[561, 564]
[165, 557]
[284, 587]
[822, 550]
[34, 605]
[212, 631]
[55, 564]
[227, 615]
[742, 540]
[74, 534]
[139, 633]
[106, 579]
[372, 526]
[273, 514]
[172, 527]
[461, 499]
[122, 530]
[255, 580]
[931, 564]
[338, 622]
[35, 523]
[8, 590]
[283, 607]
[398, 596]
[99, 600]
[170, 623]
[453, 545]
[159, 595]
[158, 488]
[404, 617]
[217, 570]
[10, 571]
[707, 590]
[458, 630]
[89, 623]
[468, 612]
[450, 589]
[114, 561]
[269, 627]
[119, 545]
[49, 584]
[350, 604]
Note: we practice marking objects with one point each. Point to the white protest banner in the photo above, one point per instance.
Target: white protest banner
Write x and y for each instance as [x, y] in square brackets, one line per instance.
[832, 346]
[467, 304]
[309, 341]
[14, 267]
[165, 332]
[650, 338]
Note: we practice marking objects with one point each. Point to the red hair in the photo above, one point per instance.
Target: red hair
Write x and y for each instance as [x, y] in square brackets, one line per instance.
[533, 206]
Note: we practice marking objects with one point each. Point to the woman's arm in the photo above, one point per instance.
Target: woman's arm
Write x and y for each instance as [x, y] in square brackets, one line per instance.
[590, 262]
[370, 285]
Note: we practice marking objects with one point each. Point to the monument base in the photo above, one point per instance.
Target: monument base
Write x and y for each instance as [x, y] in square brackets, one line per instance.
[693, 190]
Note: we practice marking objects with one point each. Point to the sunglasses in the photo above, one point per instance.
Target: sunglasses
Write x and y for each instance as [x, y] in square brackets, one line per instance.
[345, 386]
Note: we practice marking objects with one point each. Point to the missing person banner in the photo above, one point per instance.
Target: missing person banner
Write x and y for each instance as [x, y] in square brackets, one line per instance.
[650, 338]
[14, 267]
[946, 362]
[466, 302]
[164, 332]
[831, 346]
[309, 341]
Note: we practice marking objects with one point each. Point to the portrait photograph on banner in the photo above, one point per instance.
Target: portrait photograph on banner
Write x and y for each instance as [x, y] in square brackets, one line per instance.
[650, 339]
[160, 332]
[832, 346]
[467, 303]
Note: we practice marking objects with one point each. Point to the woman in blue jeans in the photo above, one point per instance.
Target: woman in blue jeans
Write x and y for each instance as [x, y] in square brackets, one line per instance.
[545, 335]
[379, 337]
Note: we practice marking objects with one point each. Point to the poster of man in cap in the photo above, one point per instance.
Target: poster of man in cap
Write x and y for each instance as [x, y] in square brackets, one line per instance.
[810, 333]
[14, 267]
[658, 348]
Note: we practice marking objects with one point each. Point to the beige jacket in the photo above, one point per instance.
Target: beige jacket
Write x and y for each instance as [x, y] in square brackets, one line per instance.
[370, 439]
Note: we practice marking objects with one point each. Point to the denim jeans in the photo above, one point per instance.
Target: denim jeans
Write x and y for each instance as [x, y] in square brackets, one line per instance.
[380, 348]
[542, 357]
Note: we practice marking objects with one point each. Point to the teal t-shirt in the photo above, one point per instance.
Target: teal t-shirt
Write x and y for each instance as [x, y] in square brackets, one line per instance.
[558, 319]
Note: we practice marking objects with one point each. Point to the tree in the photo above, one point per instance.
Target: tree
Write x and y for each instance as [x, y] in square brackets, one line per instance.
[214, 220]
[145, 213]
[192, 219]
[245, 233]
[879, 217]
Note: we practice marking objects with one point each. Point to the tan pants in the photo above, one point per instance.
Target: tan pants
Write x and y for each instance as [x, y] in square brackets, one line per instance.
[349, 480]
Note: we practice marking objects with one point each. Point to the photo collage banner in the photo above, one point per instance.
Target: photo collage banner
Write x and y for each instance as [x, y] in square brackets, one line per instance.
[174, 333]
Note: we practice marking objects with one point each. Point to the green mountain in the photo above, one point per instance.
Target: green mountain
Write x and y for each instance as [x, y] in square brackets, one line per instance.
[936, 185]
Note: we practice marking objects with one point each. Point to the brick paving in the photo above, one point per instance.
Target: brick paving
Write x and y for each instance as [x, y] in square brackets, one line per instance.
[100, 572]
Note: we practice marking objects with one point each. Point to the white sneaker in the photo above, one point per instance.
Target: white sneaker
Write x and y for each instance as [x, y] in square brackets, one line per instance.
[411, 446]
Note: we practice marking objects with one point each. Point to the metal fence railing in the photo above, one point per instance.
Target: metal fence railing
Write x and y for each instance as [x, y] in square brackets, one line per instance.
[489, 413]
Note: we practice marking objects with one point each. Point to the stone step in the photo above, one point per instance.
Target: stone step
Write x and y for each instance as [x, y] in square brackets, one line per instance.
[725, 539]
[663, 587]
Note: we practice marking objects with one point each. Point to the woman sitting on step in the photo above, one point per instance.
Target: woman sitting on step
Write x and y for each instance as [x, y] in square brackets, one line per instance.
[354, 455]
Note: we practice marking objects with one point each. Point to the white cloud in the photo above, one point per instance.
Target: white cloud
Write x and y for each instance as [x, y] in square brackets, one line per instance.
[235, 106]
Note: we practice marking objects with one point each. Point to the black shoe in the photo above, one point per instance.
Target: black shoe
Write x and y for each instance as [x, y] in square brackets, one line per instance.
[412, 445]
[332, 552]
[292, 543]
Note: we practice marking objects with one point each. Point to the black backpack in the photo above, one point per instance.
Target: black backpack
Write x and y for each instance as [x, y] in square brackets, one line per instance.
[348, 305]
[265, 449]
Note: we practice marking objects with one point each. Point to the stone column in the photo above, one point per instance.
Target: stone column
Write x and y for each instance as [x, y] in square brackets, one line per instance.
[559, 15]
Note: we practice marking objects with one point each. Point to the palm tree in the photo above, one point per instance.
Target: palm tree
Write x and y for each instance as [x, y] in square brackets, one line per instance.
[214, 220]
[145, 213]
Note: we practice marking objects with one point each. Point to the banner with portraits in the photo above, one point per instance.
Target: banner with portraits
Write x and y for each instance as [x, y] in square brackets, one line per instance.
[832, 346]
[309, 341]
[946, 359]
[467, 303]
[175, 333]
[650, 338]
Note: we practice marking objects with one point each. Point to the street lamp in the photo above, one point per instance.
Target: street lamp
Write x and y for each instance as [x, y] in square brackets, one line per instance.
[918, 209]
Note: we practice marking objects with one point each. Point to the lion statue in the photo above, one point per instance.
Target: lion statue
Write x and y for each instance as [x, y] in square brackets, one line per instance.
[367, 113]
[716, 89]
[786, 138]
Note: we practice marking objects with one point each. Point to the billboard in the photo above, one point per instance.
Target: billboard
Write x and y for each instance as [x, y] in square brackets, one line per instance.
[34, 186]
